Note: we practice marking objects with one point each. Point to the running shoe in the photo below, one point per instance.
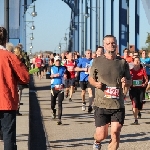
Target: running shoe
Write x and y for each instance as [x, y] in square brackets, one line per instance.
[139, 115]
[96, 146]
[90, 109]
[59, 122]
[53, 116]
[135, 123]
[83, 106]
[70, 100]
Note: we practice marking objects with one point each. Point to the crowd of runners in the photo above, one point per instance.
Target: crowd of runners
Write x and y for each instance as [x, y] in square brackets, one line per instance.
[108, 78]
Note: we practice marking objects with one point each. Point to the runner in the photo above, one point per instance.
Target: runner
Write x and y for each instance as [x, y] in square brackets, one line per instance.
[145, 61]
[57, 87]
[99, 52]
[82, 66]
[39, 62]
[137, 90]
[107, 75]
[127, 56]
[70, 81]
[129, 59]
[63, 59]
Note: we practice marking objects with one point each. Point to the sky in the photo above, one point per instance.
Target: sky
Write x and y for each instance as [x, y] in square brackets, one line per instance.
[53, 20]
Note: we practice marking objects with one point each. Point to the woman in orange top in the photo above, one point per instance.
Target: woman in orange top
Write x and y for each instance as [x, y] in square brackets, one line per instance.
[137, 90]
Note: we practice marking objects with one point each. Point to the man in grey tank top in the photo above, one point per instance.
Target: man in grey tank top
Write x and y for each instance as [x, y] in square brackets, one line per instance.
[108, 73]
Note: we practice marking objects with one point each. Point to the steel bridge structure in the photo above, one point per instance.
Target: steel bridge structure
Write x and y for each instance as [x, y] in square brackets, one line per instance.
[89, 20]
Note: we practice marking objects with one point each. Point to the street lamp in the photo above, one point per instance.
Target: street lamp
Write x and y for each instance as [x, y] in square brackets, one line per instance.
[59, 47]
[32, 38]
[32, 27]
[31, 46]
[34, 13]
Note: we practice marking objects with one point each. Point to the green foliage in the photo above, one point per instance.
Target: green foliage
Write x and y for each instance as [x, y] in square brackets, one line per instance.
[148, 39]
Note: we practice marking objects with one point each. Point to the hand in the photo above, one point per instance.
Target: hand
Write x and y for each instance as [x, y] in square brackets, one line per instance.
[65, 76]
[54, 75]
[144, 85]
[124, 80]
[85, 69]
[98, 85]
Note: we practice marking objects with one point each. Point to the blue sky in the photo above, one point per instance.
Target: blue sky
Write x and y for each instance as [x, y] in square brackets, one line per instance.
[53, 20]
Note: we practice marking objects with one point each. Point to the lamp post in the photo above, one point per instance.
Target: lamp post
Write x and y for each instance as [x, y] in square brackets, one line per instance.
[59, 48]
[34, 13]
[31, 38]
[32, 27]
[65, 39]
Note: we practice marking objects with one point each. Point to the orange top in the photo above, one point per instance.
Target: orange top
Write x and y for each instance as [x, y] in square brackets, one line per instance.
[128, 59]
[12, 72]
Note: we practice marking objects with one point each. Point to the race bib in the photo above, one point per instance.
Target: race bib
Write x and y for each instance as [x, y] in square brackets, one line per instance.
[59, 87]
[137, 82]
[111, 92]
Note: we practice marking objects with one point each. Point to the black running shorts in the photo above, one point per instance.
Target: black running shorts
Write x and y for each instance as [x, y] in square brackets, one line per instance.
[104, 116]
[84, 85]
[69, 82]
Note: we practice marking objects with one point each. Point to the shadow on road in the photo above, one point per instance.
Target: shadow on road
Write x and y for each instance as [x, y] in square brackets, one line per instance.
[37, 137]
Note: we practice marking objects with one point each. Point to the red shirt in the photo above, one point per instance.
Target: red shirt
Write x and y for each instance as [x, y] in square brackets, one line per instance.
[138, 75]
[128, 59]
[70, 65]
[12, 72]
[38, 62]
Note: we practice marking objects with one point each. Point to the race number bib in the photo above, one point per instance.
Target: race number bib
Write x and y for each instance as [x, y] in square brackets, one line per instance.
[137, 82]
[111, 92]
[59, 87]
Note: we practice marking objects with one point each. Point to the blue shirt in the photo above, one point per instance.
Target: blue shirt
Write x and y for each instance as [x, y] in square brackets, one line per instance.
[84, 63]
[57, 80]
[91, 62]
[146, 61]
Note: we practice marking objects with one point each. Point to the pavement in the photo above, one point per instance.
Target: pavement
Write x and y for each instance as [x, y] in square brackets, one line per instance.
[77, 129]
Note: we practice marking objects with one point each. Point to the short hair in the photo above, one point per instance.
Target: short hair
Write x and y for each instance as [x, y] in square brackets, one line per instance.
[110, 36]
[88, 50]
[100, 47]
[10, 47]
[126, 49]
[137, 52]
[18, 51]
[3, 36]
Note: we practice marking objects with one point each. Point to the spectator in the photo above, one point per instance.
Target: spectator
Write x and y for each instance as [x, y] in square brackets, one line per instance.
[12, 72]
[10, 47]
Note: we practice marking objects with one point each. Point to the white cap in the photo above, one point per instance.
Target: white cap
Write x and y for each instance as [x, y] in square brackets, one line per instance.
[57, 58]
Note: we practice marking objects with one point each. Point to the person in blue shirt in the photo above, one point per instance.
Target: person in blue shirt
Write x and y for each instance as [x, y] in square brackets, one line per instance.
[82, 66]
[145, 61]
[57, 75]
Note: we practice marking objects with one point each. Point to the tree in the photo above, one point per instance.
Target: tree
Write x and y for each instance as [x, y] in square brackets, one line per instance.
[148, 41]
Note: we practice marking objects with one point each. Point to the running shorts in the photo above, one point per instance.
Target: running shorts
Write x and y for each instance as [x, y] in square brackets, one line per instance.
[104, 116]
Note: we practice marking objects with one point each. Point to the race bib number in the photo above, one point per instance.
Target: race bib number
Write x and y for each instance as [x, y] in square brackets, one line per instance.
[137, 82]
[59, 87]
[111, 92]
